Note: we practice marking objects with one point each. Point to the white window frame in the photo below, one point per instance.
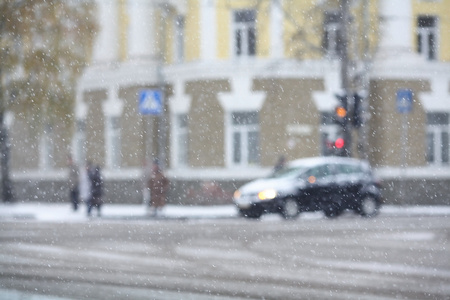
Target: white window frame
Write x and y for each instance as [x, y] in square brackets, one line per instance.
[424, 33]
[437, 147]
[46, 159]
[182, 140]
[244, 29]
[244, 130]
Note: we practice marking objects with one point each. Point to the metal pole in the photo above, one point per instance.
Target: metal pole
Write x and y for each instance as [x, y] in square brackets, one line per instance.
[365, 85]
[404, 162]
[162, 130]
[6, 184]
[345, 80]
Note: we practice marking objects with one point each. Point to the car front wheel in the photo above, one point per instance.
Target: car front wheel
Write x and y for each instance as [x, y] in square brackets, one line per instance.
[332, 210]
[290, 208]
[251, 213]
[368, 206]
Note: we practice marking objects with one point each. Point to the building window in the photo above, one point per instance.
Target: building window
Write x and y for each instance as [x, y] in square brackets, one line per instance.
[245, 138]
[427, 37]
[46, 148]
[182, 140]
[438, 143]
[244, 32]
[332, 35]
[113, 143]
[179, 39]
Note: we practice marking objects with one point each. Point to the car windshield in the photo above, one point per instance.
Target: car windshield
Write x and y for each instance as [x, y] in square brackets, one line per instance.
[289, 172]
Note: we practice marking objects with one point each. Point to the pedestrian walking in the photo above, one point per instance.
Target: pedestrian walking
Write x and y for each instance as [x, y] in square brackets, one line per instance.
[74, 183]
[84, 185]
[96, 181]
[158, 185]
[280, 164]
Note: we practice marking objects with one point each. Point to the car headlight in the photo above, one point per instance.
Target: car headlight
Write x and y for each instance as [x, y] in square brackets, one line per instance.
[267, 194]
[237, 194]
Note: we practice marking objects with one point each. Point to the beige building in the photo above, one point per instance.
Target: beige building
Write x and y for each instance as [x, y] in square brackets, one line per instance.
[244, 82]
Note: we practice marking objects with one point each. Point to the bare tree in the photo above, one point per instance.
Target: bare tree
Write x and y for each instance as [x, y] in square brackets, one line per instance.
[44, 46]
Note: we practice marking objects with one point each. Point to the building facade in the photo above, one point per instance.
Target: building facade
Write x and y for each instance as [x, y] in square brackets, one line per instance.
[245, 82]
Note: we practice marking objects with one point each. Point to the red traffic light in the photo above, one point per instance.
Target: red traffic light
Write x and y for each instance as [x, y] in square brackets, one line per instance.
[339, 143]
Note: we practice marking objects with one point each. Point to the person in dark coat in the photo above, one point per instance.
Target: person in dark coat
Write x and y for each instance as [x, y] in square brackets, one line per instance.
[280, 165]
[74, 183]
[96, 189]
[158, 185]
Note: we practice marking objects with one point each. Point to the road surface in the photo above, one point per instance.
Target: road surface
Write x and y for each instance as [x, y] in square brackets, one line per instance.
[350, 257]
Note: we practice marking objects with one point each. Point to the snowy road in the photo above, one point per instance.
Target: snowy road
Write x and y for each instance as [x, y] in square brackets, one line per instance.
[388, 257]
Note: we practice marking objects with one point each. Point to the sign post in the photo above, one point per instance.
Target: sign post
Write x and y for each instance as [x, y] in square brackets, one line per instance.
[150, 103]
[404, 107]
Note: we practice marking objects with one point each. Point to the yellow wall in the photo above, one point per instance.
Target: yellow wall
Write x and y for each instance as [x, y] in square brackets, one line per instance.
[441, 9]
[366, 47]
[223, 29]
[123, 32]
[192, 31]
[303, 29]
[169, 55]
[263, 29]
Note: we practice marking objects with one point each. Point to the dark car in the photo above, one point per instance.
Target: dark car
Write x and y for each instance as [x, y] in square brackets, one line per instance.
[330, 184]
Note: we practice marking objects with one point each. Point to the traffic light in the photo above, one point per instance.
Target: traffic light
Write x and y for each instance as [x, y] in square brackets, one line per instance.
[357, 110]
[341, 111]
[339, 143]
[340, 146]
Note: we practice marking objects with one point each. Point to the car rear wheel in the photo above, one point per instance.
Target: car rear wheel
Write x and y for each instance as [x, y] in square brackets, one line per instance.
[368, 206]
[290, 208]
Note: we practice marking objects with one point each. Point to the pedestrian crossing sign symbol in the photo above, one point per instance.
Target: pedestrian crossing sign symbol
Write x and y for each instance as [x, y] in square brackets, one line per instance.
[150, 102]
[404, 101]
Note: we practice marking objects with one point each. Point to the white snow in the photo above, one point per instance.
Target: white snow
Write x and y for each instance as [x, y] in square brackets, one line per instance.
[62, 212]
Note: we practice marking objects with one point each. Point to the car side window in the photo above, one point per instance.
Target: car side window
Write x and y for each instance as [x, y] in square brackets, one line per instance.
[348, 169]
[319, 172]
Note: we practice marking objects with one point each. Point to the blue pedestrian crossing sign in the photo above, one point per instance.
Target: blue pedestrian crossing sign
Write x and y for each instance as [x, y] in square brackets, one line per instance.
[151, 102]
[404, 101]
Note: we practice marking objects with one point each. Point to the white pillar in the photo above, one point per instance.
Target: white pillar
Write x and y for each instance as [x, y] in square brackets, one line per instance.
[276, 29]
[112, 107]
[395, 28]
[106, 48]
[141, 29]
[179, 103]
[208, 29]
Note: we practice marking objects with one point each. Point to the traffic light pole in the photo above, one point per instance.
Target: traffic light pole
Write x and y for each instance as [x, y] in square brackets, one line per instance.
[345, 78]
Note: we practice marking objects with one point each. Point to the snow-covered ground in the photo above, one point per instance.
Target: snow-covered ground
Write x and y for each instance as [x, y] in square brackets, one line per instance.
[62, 212]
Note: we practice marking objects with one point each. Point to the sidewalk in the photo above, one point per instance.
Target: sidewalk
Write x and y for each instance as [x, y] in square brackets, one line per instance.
[62, 212]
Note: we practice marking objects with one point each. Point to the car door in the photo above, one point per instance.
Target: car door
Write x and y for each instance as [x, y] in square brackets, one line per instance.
[319, 185]
[349, 178]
